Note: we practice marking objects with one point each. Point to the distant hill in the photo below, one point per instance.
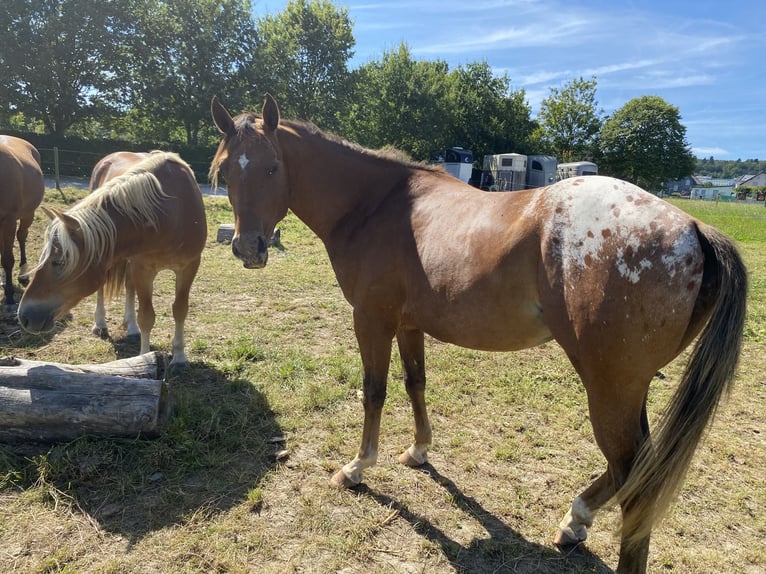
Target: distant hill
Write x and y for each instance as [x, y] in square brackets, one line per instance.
[729, 169]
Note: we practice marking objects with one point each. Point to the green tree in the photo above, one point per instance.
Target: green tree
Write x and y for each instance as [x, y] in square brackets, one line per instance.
[61, 61]
[185, 52]
[484, 114]
[400, 102]
[570, 120]
[302, 60]
[644, 142]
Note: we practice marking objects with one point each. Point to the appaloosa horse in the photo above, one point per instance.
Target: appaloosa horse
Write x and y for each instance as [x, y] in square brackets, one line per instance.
[153, 216]
[21, 190]
[109, 167]
[621, 279]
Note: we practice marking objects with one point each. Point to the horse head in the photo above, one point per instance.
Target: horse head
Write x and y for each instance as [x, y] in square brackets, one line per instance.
[250, 160]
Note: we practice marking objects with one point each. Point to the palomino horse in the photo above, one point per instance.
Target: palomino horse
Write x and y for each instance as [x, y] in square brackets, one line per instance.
[621, 279]
[109, 167]
[152, 215]
[21, 191]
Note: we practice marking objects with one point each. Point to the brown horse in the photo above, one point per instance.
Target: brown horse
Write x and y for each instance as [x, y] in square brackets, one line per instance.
[622, 280]
[21, 191]
[152, 215]
[109, 167]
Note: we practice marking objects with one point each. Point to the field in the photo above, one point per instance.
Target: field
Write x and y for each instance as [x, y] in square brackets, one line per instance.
[269, 409]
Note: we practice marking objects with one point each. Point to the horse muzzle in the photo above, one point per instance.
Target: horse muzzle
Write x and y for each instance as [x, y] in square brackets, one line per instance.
[252, 250]
[36, 319]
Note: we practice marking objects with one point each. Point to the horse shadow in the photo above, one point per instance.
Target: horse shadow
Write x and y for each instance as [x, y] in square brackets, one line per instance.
[504, 551]
[220, 441]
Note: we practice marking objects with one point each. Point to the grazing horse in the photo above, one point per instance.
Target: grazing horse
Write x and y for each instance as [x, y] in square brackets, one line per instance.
[621, 279]
[21, 191]
[153, 216]
[109, 167]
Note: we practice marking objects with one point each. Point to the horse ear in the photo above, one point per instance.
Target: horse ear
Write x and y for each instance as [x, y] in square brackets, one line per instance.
[69, 222]
[270, 113]
[221, 116]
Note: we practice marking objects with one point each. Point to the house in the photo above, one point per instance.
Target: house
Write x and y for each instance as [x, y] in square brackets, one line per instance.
[753, 180]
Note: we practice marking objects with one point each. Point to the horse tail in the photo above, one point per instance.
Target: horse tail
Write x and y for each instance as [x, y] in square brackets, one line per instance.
[115, 280]
[662, 462]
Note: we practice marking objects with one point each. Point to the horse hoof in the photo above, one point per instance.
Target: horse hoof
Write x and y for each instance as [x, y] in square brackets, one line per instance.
[567, 537]
[340, 480]
[101, 332]
[412, 458]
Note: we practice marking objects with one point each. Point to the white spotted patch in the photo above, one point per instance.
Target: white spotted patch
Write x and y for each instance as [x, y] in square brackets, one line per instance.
[587, 213]
[243, 161]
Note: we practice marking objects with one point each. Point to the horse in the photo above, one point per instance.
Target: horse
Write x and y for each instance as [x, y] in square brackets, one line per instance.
[152, 215]
[109, 167]
[20, 194]
[621, 279]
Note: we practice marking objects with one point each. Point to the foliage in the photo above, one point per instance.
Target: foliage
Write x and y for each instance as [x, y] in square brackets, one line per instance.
[185, 52]
[302, 59]
[62, 61]
[570, 120]
[729, 169]
[644, 142]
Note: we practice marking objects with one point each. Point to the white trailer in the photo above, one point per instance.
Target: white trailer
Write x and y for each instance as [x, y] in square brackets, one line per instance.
[541, 170]
[504, 172]
[576, 168]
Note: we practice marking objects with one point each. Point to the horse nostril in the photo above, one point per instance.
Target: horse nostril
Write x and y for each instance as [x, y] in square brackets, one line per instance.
[262, 245]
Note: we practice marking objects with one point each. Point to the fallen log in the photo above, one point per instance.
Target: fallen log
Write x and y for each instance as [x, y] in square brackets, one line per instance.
[48, 402]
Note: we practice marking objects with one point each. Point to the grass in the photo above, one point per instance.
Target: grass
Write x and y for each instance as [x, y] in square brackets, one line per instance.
[269, 410]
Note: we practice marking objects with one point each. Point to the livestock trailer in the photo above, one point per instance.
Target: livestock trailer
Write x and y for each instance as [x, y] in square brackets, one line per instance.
[504, 172]
[575, 168]
[541, 170]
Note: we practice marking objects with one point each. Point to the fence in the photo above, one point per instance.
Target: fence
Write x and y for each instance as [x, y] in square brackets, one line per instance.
[58, 163]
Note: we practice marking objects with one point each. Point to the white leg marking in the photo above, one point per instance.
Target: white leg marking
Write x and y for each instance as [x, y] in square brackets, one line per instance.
[179, 356]
[354, 469]
[418, 453]
[99, 316]
[573, 528]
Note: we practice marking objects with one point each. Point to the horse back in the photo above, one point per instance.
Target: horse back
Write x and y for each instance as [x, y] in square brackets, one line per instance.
[23, 183]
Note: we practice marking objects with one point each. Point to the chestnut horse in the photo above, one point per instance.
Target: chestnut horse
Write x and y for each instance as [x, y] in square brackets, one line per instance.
[621, 279]
[109, 167]
[153, 216]
[21, 191]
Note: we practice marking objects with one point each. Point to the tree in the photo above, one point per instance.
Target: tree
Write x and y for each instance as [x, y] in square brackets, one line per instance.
[400, 102]
[644, 143]
[61, 61]
[484, 114]
[302, 60]
[570, 120]
[185, 52]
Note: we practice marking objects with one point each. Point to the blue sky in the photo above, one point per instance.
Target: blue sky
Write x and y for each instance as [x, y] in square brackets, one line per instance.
[707, 58]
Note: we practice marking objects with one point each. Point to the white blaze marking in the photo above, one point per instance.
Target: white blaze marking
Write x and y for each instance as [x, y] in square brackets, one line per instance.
[243, 161]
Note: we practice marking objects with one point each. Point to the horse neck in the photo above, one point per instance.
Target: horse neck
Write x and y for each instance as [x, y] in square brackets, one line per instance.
[331, 180]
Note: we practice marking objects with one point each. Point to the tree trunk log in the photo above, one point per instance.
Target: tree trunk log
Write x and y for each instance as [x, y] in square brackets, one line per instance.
[50, 402]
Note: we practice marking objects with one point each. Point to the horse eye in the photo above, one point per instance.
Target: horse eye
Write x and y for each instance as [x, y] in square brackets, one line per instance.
[272, 170]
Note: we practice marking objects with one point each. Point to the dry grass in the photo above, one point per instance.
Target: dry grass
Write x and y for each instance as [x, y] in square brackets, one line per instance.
[274, 357]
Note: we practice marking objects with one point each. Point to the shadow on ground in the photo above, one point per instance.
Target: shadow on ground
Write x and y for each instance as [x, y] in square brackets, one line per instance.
[219, 443]
[504, 551]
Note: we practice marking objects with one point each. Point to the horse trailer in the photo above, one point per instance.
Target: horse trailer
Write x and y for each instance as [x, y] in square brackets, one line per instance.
[456, 161]
[504, 172]
[576, 168]
[541, 170]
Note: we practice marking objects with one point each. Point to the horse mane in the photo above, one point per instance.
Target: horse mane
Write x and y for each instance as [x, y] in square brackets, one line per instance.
[136, 195]
[245, 127]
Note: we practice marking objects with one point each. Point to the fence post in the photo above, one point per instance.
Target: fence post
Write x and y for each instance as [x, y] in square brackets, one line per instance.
[56, 172]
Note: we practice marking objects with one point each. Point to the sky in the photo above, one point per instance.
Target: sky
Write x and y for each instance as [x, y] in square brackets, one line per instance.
[705, 57]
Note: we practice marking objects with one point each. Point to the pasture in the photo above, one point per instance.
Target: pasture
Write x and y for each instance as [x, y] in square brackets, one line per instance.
[269, 410]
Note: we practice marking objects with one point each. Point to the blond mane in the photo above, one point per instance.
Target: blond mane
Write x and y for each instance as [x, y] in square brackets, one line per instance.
[136, 195]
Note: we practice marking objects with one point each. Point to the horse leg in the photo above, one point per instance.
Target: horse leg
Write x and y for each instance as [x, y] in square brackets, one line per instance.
[21, 237]
[143, 280]
[184, 279]
[620, 427]
[100, 328]
[7, 231]
[375, 348]
[129, 318]
[573, 528]
[411, 350]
